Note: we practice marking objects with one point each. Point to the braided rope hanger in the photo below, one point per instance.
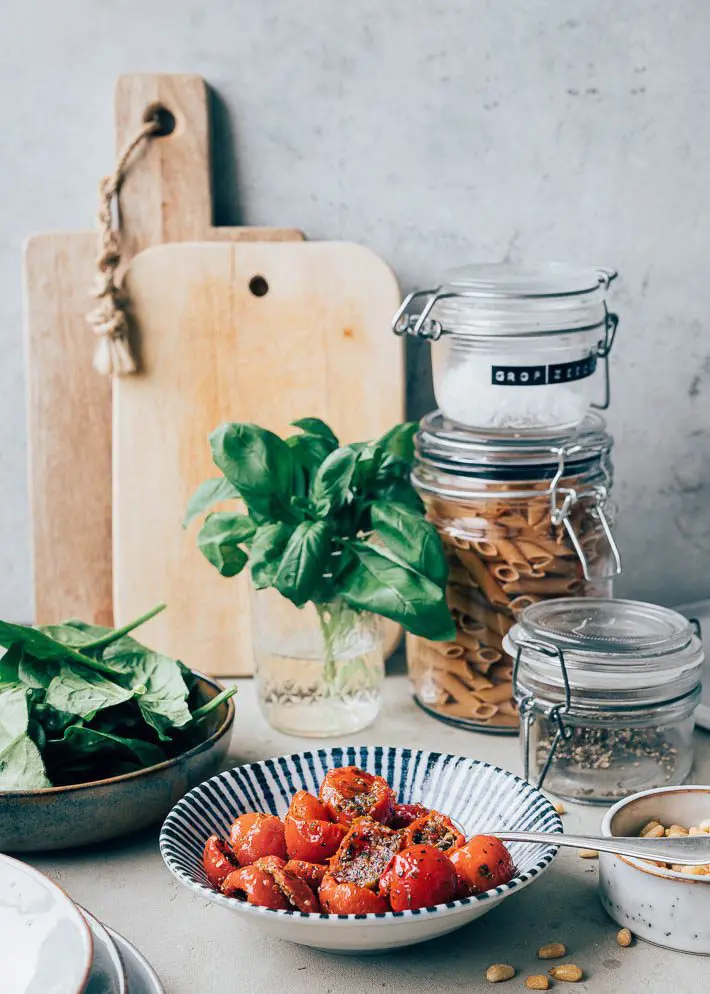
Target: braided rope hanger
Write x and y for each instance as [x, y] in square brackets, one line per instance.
[108, 319]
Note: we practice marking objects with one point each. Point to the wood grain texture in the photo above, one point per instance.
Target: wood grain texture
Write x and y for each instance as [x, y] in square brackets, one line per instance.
[166, 197]
[318, 343]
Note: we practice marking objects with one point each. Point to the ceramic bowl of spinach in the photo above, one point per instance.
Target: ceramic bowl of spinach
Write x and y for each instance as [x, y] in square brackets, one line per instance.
[99, 735]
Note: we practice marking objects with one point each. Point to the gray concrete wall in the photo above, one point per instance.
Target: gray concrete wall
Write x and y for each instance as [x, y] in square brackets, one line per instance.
[438, 133]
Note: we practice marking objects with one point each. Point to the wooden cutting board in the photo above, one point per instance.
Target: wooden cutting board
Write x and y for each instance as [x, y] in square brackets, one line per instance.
[317, 343]
[166, 198]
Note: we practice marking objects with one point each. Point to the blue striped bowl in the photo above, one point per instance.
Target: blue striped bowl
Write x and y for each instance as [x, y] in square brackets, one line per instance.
[479, 797]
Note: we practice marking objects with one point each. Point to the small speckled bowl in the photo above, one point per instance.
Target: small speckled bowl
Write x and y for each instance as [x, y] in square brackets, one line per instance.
[63, 817]
[664, 907]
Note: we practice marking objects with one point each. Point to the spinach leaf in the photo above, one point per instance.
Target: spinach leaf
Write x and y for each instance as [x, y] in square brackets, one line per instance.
[14, 713]
[164, 703]
[380, 584]
[314, 426]
[208, 494]
[399, 441]
[411, 538]
[303, 561]
[39, 644]
[84, 693]
[81, 739]
[219, 540]
[259, 464]
[9, 666]
[35, 673]
[265, 554]
[21, 765]
[331, 484]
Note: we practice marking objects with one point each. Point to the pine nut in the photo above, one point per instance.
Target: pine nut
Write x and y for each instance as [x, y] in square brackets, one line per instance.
[567, 972]
[695, 830]
[553, 950]
[704, 825]
[696, 871]
[588, 854]
[561, 810]
[499, 972]
[651, 826]
[624, 937]
[538, 982]
[655, 832]
[675, 831]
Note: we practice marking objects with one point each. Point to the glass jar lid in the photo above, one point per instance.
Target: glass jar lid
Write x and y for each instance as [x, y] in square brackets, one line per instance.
[454, 449]
[596, 653]
[500, 299]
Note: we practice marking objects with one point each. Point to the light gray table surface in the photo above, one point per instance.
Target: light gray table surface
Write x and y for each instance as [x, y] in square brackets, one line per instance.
[199, 948]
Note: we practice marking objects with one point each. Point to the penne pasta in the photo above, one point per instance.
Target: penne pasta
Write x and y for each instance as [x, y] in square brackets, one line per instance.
[466, 641]
[504, 573]
[470, 625]
[501, 672]
[549, 585]
[486, 549]
[534, 554]
[521, 602]
[478, 570]
[497, 694]
[509, 708]
[452, 685]
[484, 656]
[475, 710]
[490, 639]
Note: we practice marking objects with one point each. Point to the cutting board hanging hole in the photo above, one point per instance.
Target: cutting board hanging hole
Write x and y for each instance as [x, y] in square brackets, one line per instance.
[258, 286]
[162, 118]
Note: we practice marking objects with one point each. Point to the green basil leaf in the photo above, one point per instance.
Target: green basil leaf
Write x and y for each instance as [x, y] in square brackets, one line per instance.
[265, 554]
[85, 740]
[259, 464]
[399, 441]
[164, 702]
[314, 426]
[208, 494]
[219, 540]
[380, 584]
[21, 765]
[404, 493]
[412, 539]
[84, 692]
[303, 561]
[310, 450]
[331, 484]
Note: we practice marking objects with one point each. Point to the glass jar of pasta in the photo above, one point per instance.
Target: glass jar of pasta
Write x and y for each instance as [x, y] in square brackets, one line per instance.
[522, 520]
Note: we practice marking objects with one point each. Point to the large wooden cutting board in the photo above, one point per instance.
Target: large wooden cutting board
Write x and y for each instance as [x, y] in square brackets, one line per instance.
[166, 198]
[317, 343]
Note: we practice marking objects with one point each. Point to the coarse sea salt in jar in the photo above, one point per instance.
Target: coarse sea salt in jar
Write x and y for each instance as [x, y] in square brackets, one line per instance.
[516, 348]
[607, 692]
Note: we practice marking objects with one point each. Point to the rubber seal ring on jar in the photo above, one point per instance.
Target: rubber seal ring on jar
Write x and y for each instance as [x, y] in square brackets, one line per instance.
[556, 713]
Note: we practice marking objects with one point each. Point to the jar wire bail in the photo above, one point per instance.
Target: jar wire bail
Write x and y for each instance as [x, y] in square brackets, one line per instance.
[611, 325]
[556, 713]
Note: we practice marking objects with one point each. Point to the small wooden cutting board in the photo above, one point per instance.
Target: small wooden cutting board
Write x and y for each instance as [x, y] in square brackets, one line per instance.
[246, 332]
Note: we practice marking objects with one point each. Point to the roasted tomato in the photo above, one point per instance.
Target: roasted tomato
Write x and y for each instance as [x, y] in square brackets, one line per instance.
[405, 814]
[256, 835]
[365, 853]
[419, 877]
[338, 898]
[484, 862]
[313, 841]
[349, 793]
[296, 891]
[433, 829]
[307, 807]
[255, 886]
[218, 860]
[311, 873]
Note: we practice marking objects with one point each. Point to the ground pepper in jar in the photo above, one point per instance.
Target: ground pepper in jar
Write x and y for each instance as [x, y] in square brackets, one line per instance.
[522, 521]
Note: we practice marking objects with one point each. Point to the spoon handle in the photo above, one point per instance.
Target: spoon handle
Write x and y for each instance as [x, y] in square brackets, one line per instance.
[689, 850]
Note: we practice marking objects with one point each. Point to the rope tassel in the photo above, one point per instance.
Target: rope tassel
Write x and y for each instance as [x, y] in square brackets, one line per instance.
[109, 320]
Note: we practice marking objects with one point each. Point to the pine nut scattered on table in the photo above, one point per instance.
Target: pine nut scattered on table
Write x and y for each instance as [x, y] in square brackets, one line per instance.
[561, 810]
[553, 950]
[499, 972]
[588, 854]
[538, 982]
[567, 972]
[624, 937]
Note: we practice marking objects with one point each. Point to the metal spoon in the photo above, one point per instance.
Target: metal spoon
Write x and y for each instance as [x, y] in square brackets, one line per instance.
[689, 850]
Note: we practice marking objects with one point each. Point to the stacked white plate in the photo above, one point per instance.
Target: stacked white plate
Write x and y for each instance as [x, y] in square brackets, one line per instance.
[48, 945]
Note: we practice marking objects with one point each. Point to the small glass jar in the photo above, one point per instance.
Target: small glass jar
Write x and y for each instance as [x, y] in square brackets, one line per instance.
[607, 692]
[517, 348]
[522, 520]
[318, 670]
